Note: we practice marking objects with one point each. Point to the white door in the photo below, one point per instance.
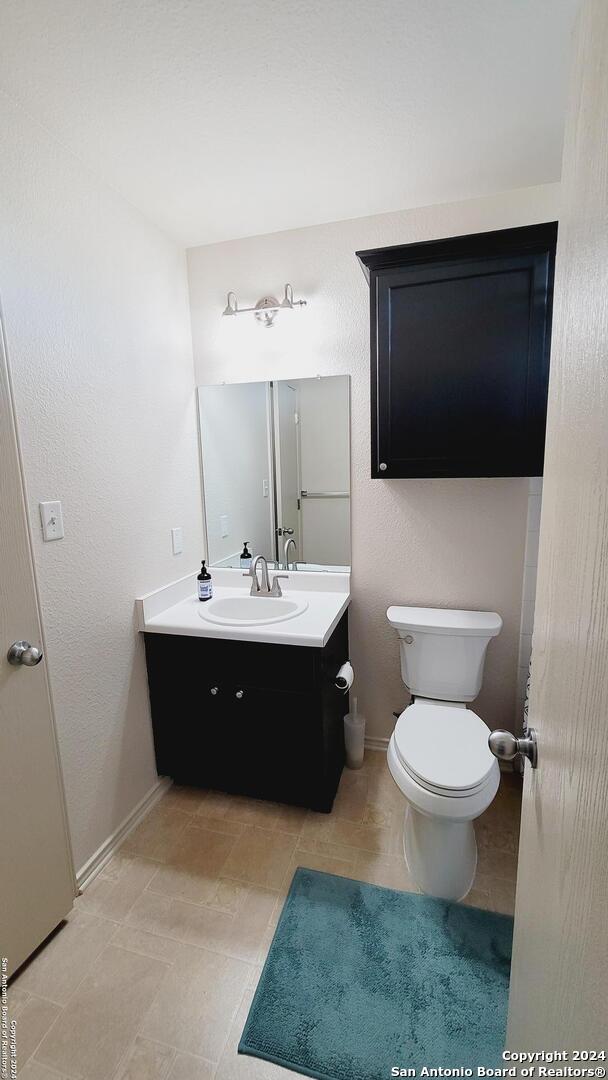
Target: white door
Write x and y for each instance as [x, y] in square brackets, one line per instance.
[37, 878]
[288, 488]
[324, 449]
[559, 982]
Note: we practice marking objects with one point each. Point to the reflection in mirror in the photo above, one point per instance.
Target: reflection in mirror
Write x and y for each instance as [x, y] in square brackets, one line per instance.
[276, 472]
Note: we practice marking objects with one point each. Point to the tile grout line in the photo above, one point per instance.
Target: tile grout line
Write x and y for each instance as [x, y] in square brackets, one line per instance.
[232, 1022]
[50, 1028]
[61, 1005]
[125, 1057]
[189, 945]
[145, 955]
[62, 1008]
[125, 848]
[176, 1049]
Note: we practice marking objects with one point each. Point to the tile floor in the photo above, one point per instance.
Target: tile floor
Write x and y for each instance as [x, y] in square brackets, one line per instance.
[152, 975]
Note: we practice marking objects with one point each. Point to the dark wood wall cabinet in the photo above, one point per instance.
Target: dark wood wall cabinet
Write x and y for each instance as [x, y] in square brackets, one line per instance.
[460, 340]
[249, 718]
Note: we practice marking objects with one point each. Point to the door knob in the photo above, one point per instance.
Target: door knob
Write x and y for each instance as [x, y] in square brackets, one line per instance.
[22, 653]
[506, 746]
[239, 694]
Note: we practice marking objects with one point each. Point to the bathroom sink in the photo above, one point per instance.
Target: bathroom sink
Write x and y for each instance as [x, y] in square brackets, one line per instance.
[250, 610]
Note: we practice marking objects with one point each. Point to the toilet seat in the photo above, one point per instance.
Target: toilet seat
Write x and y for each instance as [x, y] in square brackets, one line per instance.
[439, 804]
[444, 748]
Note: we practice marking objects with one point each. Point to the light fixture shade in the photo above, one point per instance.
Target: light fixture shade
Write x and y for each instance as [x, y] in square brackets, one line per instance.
[232, 306]
[287, 301]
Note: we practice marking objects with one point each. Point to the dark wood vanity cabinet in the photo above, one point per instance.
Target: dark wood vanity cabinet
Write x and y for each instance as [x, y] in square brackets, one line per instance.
[254, 719]
[460, 339]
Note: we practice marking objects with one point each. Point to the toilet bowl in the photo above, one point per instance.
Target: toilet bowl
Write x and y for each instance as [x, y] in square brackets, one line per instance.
[437, 757]
[438, 754]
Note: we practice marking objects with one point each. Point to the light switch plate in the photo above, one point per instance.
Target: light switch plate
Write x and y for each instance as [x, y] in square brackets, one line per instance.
[224, 525]
[177, 540]
[52, 520]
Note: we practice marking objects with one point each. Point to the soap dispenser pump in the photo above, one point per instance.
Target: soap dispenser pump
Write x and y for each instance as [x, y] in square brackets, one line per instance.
[246, 556]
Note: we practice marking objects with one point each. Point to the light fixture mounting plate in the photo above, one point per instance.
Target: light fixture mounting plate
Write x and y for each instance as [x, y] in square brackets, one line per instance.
[266, 310]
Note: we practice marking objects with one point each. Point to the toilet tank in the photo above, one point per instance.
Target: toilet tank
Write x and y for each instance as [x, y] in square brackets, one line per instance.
[442, 650]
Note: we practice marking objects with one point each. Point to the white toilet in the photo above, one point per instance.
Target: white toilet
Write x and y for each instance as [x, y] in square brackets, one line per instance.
[438, 754]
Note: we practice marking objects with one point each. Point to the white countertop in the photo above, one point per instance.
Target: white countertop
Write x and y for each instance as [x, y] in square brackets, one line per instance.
[174, 609]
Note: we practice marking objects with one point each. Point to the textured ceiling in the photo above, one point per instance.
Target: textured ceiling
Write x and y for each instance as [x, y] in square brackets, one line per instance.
[226, 118]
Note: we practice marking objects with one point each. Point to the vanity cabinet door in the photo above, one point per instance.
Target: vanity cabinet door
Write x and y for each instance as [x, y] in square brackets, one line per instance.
[249, 741]
[190, 718]
[208, 752]
[278, 740]
[249, 718]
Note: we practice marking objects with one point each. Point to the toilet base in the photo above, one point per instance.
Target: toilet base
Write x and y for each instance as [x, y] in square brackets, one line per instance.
[441, 855]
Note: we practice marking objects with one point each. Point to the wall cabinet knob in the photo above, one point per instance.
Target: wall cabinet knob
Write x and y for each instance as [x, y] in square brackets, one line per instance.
[383, 466]
[214, 690]
[239, 694]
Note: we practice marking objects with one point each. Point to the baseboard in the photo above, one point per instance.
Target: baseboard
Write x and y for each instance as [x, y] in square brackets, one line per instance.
[374, 743]
[105, 851]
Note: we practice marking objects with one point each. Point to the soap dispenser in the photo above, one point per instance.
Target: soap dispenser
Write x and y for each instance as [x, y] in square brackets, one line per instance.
[246, 556]
[205, 584]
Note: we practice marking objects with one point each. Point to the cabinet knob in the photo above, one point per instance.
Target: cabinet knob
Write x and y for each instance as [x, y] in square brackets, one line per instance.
[383, 466]
[214, 690]
[239, 694]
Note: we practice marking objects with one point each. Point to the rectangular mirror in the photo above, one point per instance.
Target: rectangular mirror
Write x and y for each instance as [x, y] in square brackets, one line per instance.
[276, 471]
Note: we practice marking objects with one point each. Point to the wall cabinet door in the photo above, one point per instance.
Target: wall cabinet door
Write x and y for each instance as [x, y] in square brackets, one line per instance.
[460, 335]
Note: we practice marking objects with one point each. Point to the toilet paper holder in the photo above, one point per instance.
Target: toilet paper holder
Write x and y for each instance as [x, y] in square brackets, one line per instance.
[345, 677]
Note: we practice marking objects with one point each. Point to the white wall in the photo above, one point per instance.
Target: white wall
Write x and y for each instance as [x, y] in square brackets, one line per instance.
[96, 311]
[453, 542]
[235, 455]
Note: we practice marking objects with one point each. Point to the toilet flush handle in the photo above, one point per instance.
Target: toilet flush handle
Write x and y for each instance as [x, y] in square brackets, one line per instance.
[506, 746]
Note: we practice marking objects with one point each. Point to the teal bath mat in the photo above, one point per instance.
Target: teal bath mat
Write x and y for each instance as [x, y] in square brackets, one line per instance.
[360, 980]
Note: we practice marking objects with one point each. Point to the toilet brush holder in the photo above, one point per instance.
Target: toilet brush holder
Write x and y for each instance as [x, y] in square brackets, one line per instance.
[354, 737]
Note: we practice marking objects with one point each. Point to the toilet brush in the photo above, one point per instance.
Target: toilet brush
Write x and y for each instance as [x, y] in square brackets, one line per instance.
[354, 737]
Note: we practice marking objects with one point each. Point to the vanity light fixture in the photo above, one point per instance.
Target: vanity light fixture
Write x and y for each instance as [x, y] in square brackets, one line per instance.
[267, 308]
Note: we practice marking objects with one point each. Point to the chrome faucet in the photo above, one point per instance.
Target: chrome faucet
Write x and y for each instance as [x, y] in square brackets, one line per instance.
[290, 540]
[256, 587]
[264, 588]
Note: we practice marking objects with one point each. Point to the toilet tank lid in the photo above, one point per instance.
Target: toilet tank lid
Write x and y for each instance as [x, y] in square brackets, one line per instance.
[445, 621]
